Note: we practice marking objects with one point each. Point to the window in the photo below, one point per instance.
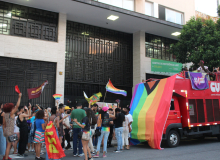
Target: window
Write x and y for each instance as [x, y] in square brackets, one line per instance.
[173, 16]
[158, 47]
[148, 8]
[172, 105]
[170, 15]
[126, 4]
[28, 22]
[162, 12]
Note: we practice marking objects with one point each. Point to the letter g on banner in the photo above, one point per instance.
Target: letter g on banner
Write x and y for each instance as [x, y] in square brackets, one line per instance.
[212, 86]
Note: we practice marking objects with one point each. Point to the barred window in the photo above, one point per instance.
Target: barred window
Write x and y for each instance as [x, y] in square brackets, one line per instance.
[28, 22]
[158, 47]
[93, 56]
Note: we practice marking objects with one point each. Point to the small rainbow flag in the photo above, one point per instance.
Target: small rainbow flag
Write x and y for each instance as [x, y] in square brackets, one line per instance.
[112, 89]
[57, 96]
[150, 107]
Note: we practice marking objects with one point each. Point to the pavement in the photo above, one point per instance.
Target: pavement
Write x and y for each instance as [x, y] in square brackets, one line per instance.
[207, 149]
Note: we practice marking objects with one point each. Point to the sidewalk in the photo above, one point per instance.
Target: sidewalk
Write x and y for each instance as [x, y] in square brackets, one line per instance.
[69, 153]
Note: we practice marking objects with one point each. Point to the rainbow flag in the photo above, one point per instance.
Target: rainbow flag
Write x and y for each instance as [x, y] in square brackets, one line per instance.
[57, 96]
[150, 107]
[112, 89]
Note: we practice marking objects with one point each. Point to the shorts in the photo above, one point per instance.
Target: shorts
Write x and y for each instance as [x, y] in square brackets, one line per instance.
[39, 137]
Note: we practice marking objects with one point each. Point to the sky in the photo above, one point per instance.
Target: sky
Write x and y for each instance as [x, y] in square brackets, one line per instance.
[207, 6]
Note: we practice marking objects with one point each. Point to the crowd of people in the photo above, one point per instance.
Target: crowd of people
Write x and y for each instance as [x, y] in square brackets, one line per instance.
[23, 129]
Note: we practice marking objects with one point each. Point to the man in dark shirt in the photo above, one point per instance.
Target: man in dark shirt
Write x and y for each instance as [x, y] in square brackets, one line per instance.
[118, 121]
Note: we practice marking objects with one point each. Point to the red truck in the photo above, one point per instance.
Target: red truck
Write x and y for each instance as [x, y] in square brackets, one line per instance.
[193, 113]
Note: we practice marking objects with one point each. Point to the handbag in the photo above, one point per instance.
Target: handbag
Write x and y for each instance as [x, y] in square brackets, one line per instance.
[86, 136]
[13, 138]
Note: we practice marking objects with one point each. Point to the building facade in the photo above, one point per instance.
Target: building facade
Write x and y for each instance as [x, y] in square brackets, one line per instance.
[77, 46]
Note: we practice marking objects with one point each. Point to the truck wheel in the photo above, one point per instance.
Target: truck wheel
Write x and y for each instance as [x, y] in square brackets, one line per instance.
[173, 139]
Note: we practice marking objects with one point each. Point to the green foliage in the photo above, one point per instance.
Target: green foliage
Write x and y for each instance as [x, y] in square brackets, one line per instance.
[199, 40]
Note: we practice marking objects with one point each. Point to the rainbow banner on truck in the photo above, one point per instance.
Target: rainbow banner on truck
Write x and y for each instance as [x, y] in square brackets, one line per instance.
[150, 107]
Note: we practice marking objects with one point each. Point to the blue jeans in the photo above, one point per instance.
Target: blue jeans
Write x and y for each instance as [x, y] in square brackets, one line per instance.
[104, 134]
[46, 151]
[75, 139]
[2, 142]
[118, 134]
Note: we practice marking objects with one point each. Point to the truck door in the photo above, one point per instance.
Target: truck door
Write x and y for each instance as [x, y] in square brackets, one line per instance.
[174, 115]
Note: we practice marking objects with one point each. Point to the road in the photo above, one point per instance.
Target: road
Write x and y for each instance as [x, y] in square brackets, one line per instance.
[208, 149]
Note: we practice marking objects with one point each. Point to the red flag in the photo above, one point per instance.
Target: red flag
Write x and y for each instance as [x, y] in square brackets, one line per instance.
[36, 92]
[17, 89]
[53, 146]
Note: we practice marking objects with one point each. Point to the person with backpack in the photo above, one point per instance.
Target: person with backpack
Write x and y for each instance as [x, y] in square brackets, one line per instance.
[93, 128]
[23, 128]
[105, 130]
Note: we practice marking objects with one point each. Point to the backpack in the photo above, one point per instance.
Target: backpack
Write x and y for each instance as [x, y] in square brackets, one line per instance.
[18, 122]
[33, 129]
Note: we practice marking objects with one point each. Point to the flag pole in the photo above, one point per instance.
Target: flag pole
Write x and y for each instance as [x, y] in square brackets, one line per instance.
[105, 96]
[105, 91]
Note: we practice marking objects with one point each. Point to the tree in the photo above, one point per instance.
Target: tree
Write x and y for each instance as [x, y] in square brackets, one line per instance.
[199, 40]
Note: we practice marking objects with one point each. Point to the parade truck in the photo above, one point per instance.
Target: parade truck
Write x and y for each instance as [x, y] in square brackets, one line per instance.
[193, 113]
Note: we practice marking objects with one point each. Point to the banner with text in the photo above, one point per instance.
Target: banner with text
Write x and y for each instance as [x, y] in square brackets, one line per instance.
[165, 66]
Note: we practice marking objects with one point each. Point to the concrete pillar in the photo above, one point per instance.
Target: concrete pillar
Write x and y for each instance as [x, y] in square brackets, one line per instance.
[138, 57]
[139, 6]
[60, 75]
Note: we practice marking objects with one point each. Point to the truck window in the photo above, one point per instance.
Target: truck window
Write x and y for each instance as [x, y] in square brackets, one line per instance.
[172, 105]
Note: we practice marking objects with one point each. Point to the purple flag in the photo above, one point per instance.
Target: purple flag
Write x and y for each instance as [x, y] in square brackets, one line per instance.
[199, 81]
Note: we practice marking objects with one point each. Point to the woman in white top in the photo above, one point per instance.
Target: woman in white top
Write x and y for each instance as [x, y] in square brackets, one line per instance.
[16, 131]
[125, 133]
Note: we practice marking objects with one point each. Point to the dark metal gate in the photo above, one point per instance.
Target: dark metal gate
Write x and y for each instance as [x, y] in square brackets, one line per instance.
[26, 74]
[93, 55]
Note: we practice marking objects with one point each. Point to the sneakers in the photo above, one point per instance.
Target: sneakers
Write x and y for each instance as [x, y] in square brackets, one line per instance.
[75, 155]
[104, 156]
[116, 151]
[22, 155]
[93, 153]
[80, 155]
[96, 156]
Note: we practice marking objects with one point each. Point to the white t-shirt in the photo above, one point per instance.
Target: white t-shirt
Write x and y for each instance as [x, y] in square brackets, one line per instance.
[66, 121]
[201, 70]
[130, 119]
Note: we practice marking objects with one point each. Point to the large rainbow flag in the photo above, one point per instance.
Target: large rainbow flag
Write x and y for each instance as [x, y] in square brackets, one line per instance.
[150, 107]
[112, 89]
